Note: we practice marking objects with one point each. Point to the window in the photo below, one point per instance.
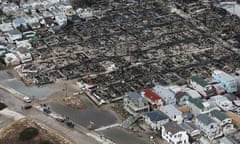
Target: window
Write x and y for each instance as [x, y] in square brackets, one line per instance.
[211, 126]
[180, 142]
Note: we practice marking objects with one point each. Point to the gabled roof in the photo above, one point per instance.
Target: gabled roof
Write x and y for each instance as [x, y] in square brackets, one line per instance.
[196, 102]
[151, 95]
[156, 116]
[135, 97]
[219, 115]
[224, 76]
[14, 32]
[173, 127]
[170, 109]
[164, 91]
[18, 21]
[199, 80]
[205, 119]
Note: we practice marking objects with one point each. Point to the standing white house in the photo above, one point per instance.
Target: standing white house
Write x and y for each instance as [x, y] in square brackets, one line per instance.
[174, 134]
[200, 85]
[155, 119]
[154, 100]
[24, 55]
[134, 103]
[167, 95]
[173, 113]
[191, 129]
[198, 106]
[223, 102]
[208, 126]
[223, 120]
[228, 81]
[14, 35]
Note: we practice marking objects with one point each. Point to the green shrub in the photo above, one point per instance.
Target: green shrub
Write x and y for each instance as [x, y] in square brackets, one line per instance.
[28, 134]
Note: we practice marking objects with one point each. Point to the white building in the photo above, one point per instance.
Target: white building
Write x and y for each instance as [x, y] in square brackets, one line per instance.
[23, 44]
[18, 22]
[174, 134]
[134, 103]
[11, 59]
[24, 55]
[192, 93]
[14, 35]
[173, 113]
[223, 103]
[198, 106]
[223, 120]
[167, 95]
[191, 129]
[10, 8]
[154, 100]
[208, 126]
[67, 9]
[61, 19]
[5, 27]
[199, 85]
[155, 119]
[228, 81]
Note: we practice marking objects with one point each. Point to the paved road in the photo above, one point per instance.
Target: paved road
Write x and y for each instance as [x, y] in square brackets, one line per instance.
[71, 134]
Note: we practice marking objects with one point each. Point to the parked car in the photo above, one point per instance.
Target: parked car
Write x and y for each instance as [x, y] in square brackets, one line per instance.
[46, 110]
[70, 124]
[27, 107]
[61, 119]
[27, 99]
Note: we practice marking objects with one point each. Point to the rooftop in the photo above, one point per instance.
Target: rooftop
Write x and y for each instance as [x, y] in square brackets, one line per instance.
[199, 80]
[196, 102]
[223, 75]
[173, 127]
[163, 91]
[135, 97]
[171, 109]
[219, 115]
[156, 115]
[14, 32]
[151, 95]
[204, 118]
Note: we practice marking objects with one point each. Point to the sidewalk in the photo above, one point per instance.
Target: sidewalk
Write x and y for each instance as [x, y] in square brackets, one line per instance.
[11, 114]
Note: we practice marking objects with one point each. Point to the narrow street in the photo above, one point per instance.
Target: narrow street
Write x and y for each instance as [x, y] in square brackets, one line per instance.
[73, 135]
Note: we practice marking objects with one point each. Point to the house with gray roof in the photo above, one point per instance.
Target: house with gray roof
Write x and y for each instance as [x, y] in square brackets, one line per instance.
[208, 126]
[167, 95]
[14, 35]
[173, 113]
[220, 117]
[134, 103]
[191, 129]
[155, 119]
[174, 133]
[200, 85]
[198, 106]
[223, 120]
[18, 22]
